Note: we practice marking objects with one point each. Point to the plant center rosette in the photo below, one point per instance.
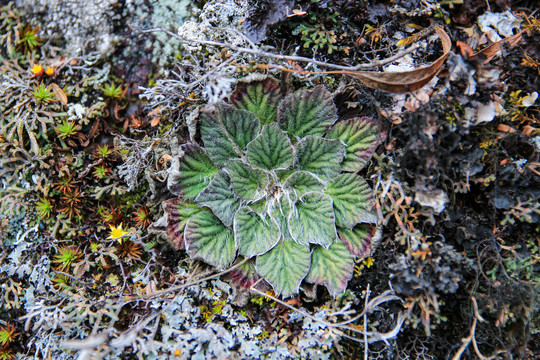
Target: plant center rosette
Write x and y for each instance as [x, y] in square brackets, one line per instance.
[275, 181]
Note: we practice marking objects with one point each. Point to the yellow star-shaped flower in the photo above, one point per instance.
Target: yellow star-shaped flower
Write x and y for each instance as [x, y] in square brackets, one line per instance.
[49, 71]
[117, 232]
[37, 70]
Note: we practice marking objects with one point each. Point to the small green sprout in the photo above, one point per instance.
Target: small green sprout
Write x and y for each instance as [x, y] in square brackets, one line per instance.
[43, 93]
[6, 354]
[66, 256]
[28, 39]
[101, 171]
[111, 90]
[142, 216]
[7, 334]
[44, 208]
[67, 129]
[102, 152]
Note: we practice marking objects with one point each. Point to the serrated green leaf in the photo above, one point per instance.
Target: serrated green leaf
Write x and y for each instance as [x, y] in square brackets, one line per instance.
[271, 150]
[312, 220]
[209, 240]
[245, 275]
[248, 183]
[353, 200]
[254, 234]
[226, 131]
[362, 136]
[307, 112]
[259, 95]
[319, 156]
[285, 266]
[220, 197]
[195, 171]
[303, 182]
[332, 267]
[178, 213]
[358, 240]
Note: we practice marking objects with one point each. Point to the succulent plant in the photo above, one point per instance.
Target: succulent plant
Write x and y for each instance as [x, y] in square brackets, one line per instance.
[274, 180]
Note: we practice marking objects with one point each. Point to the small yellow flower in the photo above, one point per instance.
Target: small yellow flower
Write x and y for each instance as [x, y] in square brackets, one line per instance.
[49, 71]
[117, 232]
[368, 262]
[37, 70]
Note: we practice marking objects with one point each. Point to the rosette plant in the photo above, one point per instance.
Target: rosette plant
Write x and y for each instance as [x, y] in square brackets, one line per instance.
[275, 181]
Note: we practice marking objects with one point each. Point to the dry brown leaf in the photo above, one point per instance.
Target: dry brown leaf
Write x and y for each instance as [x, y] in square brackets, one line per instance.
[403, 81]
[488, 53]
[155, 121]
[465, 50]
[485, 55]
[60, 94]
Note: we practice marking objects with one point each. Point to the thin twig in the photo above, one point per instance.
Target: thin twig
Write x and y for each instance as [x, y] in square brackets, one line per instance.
[262, 53]
[191, 283]
[366, 348]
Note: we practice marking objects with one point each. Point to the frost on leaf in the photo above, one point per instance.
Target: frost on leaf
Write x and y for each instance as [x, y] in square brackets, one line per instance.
[178, 213]
[246, 274]
[307, 112]
[248, 183]
[209, 240]
[302, 182]
[226, 131]
[353, 200]
[285, 266]
[194, 172]
[271, 150]
[312, 220]
[358, 240]
[219, 197]
[320, 156]
[258, 95]
[332, 267]
[362, 136]
[255, 234]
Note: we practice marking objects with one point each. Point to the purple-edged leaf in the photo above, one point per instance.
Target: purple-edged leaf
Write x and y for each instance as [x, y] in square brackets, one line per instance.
[220, 197]
[226, 131]
[312, 220]
[178, 213]
[260, 95]
[190, 174]
[271, 150]
[307, 112]
[362, 136]
[245, 275]
[303, 182]
[254, 234]
[358, 240]
[353, 200]
[209, 240]
[247, 182]
[319, 156]
[285, 266]
[332, 267]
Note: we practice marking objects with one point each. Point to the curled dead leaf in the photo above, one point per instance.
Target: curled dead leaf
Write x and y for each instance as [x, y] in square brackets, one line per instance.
[155, 121]
[403, 81]
[60, 94]
[485, 55]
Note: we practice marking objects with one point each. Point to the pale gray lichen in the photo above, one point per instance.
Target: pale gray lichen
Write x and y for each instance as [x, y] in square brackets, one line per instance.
[79, 23]
[225, 15]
